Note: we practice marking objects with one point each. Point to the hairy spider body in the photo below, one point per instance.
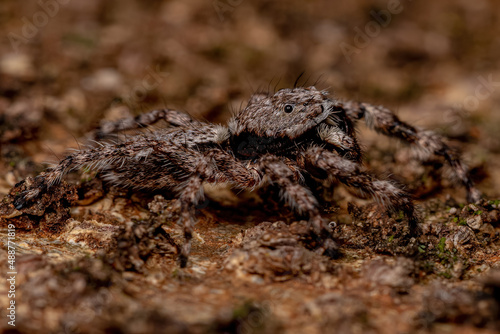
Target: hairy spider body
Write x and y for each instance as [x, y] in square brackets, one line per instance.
[279, 138]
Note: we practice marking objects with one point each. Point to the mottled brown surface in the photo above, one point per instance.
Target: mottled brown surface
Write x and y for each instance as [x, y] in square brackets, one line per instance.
[108, 268]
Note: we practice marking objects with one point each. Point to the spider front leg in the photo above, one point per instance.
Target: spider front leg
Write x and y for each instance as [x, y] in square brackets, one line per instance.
[322, 163]
[301, 200]
[172, 117]
[386, 122]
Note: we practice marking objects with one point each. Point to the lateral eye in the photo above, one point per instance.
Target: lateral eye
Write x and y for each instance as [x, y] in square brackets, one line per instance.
[288, 108]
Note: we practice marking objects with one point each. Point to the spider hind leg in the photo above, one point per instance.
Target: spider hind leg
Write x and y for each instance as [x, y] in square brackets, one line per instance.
[172, 117]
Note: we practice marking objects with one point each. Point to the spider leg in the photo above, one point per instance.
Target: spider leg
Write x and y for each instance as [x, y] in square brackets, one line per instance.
[238, 174]
[214, 165]
[300, 199]
[340, 140]
[190, 194]
[386, 122]
[133, 165]
[173, 117]
[107, 156]
[319, 161]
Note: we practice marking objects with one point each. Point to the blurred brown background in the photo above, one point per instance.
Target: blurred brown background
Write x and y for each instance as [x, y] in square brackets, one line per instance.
[66, 65]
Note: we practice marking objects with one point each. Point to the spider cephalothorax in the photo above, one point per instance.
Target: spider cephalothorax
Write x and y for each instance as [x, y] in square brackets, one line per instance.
[283, 138]
[290, 120]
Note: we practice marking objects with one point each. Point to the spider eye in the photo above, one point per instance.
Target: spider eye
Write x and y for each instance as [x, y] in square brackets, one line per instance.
[288, 108]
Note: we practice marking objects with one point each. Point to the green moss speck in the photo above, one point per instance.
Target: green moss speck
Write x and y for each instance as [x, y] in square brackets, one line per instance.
[446, 274]
[441, 245]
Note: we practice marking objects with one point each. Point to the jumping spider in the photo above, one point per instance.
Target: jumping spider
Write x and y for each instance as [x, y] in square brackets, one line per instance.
[281, 138]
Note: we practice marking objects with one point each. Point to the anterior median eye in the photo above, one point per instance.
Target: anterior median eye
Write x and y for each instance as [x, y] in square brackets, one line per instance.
[288, 108]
